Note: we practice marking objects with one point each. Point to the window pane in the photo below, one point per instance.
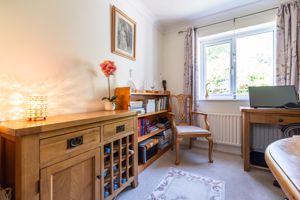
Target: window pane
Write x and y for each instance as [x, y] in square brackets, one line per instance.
[254, 61]
[218, 68]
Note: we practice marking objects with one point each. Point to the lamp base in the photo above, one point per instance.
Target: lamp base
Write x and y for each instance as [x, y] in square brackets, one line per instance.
[36, 118]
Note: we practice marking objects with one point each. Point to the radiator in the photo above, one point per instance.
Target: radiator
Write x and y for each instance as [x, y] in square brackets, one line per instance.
[226, 128]
[263, 135]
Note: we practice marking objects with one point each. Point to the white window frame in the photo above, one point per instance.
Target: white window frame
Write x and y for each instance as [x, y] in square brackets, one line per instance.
[231, 39]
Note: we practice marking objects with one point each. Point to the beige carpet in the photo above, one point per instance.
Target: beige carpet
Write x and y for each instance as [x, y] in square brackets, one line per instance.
[240, 185]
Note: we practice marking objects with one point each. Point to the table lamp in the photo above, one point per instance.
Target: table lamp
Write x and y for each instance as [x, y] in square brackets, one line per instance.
[36, 108]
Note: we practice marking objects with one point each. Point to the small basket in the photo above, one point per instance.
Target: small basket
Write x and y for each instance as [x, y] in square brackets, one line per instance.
[5, 193]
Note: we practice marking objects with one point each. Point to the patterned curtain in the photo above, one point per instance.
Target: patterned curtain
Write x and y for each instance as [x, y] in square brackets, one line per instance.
[191, 85]
[189, 61]
[288, 41]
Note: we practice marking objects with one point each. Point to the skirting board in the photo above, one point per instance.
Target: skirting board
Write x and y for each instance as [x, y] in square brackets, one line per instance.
[235, 150]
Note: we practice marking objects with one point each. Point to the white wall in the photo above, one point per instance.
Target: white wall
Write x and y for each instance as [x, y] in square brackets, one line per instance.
[54, 48]
[173, 54]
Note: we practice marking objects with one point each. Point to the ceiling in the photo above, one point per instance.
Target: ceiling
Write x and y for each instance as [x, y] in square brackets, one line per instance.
[169, 12]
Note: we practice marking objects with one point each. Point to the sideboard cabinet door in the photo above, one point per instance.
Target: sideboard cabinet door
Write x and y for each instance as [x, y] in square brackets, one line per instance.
[72, 179]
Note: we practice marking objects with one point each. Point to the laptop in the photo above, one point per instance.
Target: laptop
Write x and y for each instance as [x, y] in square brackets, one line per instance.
[273, 97]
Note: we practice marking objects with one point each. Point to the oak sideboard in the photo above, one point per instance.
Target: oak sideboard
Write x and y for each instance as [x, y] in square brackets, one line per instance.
[87, 156]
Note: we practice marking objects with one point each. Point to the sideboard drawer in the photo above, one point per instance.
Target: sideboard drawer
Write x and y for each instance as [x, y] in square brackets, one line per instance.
[113, 129]
[274, 119]
[62, 147]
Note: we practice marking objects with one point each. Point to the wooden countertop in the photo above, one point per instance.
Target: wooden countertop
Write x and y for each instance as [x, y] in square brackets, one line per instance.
[24, 127]
[289, 111]
[271, 110]
[283, 159]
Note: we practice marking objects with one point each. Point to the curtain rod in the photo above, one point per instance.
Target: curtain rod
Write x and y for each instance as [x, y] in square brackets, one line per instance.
[233, 19]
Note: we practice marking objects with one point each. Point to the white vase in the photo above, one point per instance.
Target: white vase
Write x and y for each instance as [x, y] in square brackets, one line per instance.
[109, 105]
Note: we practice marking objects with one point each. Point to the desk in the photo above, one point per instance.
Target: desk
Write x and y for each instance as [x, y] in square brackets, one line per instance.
[283, 159]
[264, 116]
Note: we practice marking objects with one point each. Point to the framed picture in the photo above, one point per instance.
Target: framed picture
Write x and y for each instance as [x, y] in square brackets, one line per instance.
[123, 34]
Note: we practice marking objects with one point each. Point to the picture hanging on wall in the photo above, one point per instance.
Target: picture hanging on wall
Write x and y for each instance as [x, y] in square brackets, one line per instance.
[123, 34]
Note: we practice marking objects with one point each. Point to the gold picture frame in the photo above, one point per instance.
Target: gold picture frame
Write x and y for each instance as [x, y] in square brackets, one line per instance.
[123, 34]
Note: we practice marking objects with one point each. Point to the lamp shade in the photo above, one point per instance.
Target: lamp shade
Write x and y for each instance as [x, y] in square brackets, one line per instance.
[36, 108]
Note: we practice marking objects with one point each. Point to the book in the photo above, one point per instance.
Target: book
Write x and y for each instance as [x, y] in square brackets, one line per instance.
[146, 124]
[142, 127]
[152, 129]
[150, 108]
[139, 128]
[136, 105]
[147, 149]
[164, 138]
[139, 111]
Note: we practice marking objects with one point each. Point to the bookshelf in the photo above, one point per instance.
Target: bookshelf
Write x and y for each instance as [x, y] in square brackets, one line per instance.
[152, 113]
[149, 94]
[149, 135]
[125, 96]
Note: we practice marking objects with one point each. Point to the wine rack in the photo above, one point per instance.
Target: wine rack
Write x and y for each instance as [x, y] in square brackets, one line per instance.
[118, 165]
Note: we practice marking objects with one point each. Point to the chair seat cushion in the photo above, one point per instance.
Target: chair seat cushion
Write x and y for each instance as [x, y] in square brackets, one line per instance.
[182, 130]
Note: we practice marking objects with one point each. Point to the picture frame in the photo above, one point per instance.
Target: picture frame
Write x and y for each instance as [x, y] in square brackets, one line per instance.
[123, 34]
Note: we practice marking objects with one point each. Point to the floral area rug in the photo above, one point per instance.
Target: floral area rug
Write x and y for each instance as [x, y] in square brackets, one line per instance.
[181, 185]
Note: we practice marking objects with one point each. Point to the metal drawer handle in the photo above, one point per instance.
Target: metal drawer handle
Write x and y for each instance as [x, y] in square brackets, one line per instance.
[74, 142]
[120, 128]
[280, 120]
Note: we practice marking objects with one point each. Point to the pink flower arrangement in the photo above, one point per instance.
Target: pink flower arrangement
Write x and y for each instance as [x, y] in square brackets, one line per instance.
[108, 68]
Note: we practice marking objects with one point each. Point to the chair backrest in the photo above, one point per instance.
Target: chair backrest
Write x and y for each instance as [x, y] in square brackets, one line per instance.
[184, 107]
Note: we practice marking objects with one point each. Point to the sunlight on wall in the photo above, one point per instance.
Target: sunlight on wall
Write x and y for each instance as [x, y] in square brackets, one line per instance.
[77, 90]
[39, 56]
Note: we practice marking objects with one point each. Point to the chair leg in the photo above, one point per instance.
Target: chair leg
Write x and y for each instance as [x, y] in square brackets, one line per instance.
[191, 143]
[173, 142]
[210, 148]
[177, 147]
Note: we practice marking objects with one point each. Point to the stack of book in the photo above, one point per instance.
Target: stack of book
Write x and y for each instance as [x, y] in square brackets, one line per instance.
[163, 123]
[164, 139]
[158, 104]
[162, 103]
[137, 106]
[152, 127]
[145, 127]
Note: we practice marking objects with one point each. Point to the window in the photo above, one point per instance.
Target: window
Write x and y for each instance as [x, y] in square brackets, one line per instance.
[218, 62]
[230, 63]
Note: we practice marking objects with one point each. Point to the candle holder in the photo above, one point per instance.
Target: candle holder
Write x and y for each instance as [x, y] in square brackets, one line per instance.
[36, 108]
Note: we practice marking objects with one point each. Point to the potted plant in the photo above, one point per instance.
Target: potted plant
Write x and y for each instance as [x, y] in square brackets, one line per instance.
[109, 68]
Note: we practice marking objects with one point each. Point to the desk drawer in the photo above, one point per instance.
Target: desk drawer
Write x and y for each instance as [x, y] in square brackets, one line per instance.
[116, 128]
[274, 119]
[62, 147]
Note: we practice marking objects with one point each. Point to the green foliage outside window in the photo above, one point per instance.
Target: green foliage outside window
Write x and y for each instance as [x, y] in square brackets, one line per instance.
[254, 64]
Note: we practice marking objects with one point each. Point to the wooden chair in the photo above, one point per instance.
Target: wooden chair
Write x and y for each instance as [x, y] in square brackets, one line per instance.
[185, 128]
